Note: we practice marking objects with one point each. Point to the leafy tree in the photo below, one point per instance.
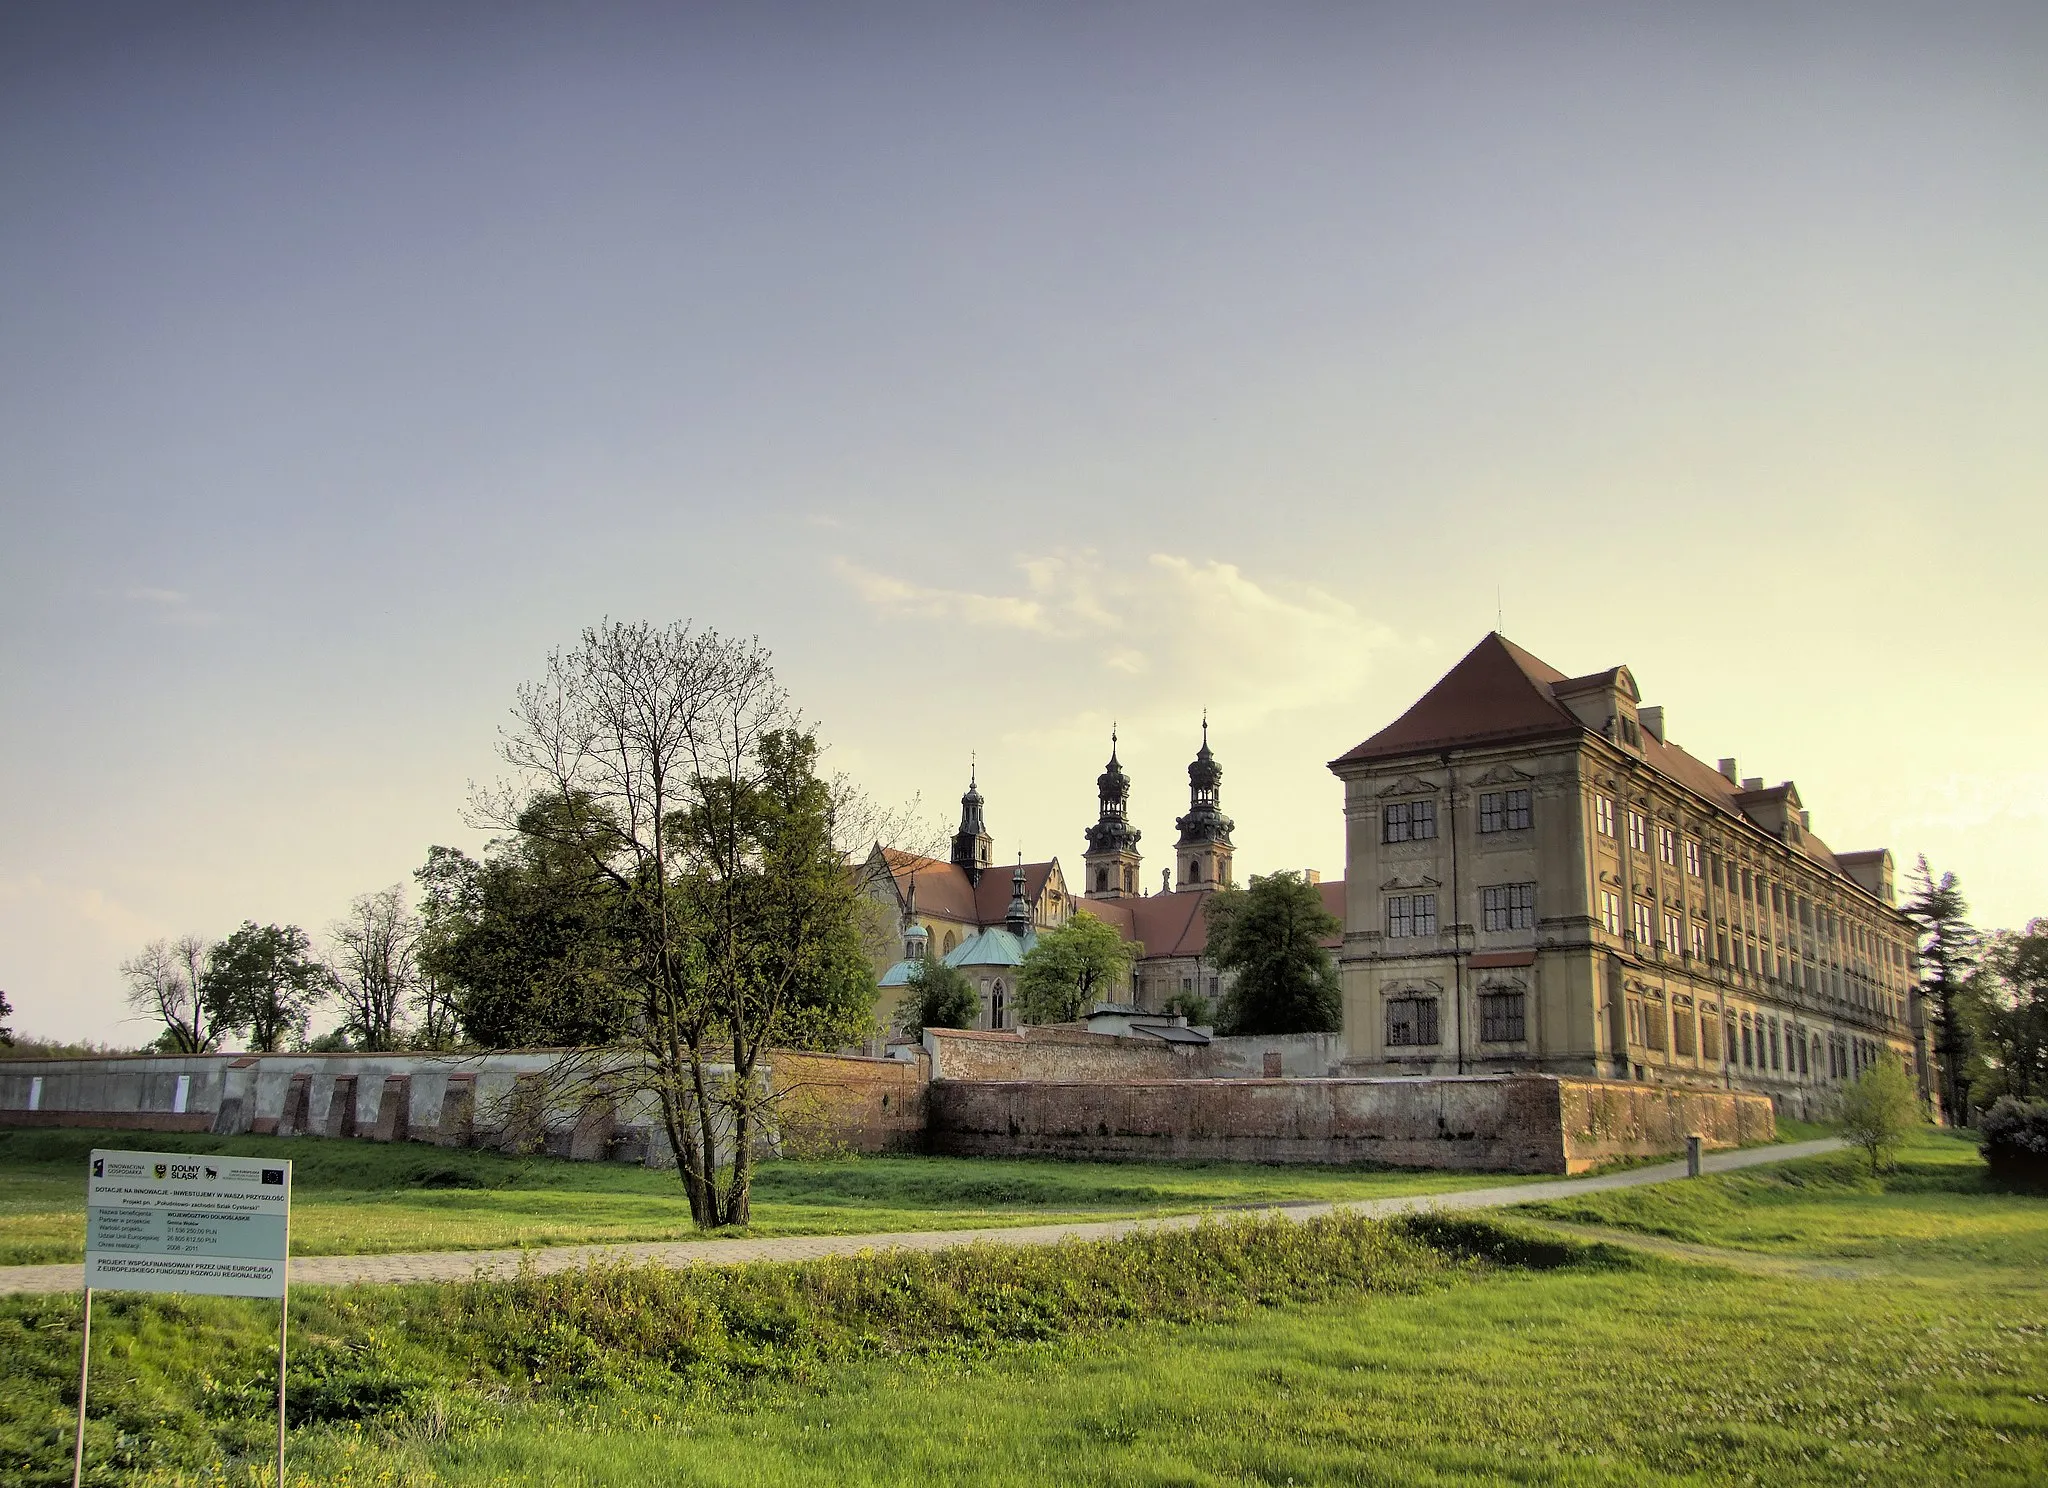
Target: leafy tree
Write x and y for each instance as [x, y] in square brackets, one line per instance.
[526, 948]
[164, 984]
[2010, 1015]
[1948, 953]
[1270, 936]
[940, 996]
[686, 787]
[1878, 1109]
[373, 965]
[263, 981]
[6, 1033]
[1072, 968]
[1192, 1006]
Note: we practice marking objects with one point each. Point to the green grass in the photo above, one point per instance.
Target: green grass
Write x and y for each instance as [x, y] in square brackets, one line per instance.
[354, 1198]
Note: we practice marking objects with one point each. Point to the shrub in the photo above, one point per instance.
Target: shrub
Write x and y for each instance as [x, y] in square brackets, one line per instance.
[1879, 1109]
[2013, 1136]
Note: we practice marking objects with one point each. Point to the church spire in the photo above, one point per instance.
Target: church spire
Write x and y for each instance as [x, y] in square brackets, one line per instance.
[1110, 868]
[971, 844]
[1018, 920]
[1205, 849]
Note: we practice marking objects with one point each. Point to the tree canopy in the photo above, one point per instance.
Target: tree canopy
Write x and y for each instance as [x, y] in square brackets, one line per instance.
[2009, 1016]
[1948, 954]
[1878, 1109]
[1270, 938]
[938, 996]
[1072, 968]
[263, 981]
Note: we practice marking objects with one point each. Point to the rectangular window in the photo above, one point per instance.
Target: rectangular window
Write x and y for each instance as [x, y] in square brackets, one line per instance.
[1501, 1017]
[1710, 1040]
[1504, 811]
[1748, 1049]
[1408, 821]
[1508, 907]
[1681, 1033]
[1603, 816]
[1635, 1021]
[1638, 831]
[1653, 1025]
[1410, 914]
[1411, 1021]
[1643, 931]
[1610, 912]
[1776, 1062]
[1799, 1044]
[1667, 845]
[1672, 939]
[1699, 942]
[1692, 859]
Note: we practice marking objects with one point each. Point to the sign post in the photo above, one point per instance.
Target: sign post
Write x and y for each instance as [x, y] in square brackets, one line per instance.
[185, 1222]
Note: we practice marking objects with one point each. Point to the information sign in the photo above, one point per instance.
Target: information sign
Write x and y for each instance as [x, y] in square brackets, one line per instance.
[176, 1222]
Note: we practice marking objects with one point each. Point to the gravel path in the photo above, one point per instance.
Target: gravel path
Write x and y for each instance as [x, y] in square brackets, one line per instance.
[462, 1265]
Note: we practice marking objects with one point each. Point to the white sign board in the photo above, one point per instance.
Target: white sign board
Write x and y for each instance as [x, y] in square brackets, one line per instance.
[185, 1222]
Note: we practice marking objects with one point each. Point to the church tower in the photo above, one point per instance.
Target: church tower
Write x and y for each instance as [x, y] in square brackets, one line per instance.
[972, 844]
[1204, 848]
[1110, 868]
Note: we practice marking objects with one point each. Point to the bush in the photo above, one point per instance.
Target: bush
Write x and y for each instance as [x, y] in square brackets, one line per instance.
[2013, 1136]
[1879, 1109]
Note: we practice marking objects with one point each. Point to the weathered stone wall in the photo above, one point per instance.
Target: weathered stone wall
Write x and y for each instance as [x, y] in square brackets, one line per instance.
[1060, 1054]
[1512, 1123]
[828, 1101]
[1309, 1056]
[1607, 1119]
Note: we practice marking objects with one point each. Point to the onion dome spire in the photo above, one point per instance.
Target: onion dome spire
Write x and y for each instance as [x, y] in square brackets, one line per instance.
[1018, 920]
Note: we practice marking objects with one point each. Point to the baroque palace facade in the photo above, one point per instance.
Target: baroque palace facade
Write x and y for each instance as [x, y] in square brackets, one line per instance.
[1539, 879]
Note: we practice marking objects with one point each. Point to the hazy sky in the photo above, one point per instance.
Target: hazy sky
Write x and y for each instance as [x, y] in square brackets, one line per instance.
[1007, 370]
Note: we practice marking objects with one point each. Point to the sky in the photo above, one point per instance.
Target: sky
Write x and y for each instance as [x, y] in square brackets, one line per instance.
[1010, 371]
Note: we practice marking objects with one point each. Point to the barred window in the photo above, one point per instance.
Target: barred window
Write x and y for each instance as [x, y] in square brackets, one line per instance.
[1610, 912]
[1408, 821]
[1643, 930]
[1410, 914]
[1603, 816]
[1411, 1021]
[1638, 831]
[1504, 811]
[1692, 859]
[1501, 1017]
[1508, 907]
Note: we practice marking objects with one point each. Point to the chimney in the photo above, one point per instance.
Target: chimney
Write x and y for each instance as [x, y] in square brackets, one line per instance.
[1755, 782]
[1806, 821]
[1652, 720]
[1727, 769]
[1312, 875]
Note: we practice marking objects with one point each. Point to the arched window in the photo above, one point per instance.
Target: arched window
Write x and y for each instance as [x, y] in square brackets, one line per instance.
[995, 1007]
[1130, 880]
[952, 940]
[1102, 880]
[1194, 871]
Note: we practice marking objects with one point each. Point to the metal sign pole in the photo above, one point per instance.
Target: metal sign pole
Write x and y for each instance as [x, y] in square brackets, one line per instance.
[284, 1312]
[84, 1358]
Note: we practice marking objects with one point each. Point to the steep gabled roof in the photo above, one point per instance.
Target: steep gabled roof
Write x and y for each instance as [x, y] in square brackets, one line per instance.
[1175, 924]
[945, 892]
[1499, 693]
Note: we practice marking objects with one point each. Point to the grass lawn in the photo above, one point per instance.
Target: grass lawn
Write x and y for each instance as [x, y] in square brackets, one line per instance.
[358, 1198]
[1912, 1350]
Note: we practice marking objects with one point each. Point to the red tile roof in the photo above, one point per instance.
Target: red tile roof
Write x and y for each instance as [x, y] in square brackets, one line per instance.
[1175, 924]
[944, 890]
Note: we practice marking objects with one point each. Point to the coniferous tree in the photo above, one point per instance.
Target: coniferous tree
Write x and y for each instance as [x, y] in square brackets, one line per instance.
[1270, 937]
[1948, 954]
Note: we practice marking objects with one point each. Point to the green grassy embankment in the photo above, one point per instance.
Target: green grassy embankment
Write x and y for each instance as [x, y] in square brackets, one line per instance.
[359, 1198]
[1913, 1350]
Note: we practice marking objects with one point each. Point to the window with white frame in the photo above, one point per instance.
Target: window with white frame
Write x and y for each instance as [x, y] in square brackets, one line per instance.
[1504, 811]
[1408, 821]
[1644, 932]
[1638, 831]
[1692, 859]
[1699, 941]
[1672, 940]
[1508, 907]
[1610, 912]
[1410, 915]
[1603, 816]
[1667, 845]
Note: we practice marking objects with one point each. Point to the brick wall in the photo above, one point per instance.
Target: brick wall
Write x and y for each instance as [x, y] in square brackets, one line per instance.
[831, 1101]
[1513, 1123]
[1062, 1054]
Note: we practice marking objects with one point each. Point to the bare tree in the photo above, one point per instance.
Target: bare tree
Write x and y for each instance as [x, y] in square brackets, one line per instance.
[373, 964]
[166, 985]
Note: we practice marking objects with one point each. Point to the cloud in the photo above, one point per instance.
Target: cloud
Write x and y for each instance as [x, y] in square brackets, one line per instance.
[1181, 632]
[168, 606]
